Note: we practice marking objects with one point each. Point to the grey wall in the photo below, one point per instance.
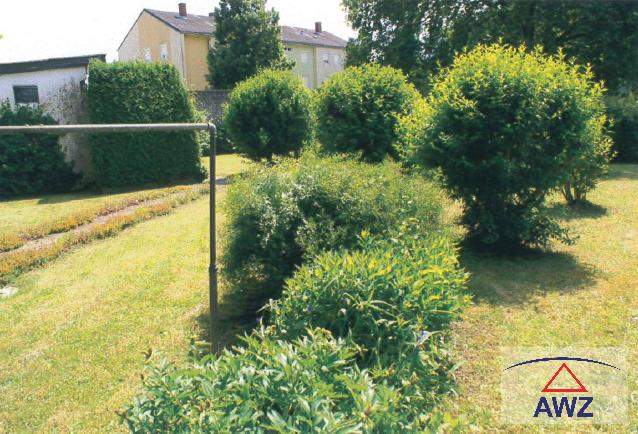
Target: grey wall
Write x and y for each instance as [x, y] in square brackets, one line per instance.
[212, 102]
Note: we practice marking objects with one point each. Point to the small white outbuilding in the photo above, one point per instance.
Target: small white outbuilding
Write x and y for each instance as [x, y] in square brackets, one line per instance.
[58, 86]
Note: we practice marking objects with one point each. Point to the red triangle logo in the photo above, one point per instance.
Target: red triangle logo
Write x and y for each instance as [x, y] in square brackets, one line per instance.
[550, 389]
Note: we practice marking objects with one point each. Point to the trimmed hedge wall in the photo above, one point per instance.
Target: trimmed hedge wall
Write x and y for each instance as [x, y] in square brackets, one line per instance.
[31, 163]
[136, 92]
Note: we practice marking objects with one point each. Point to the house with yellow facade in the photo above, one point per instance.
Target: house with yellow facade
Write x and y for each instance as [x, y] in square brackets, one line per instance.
[183, 40]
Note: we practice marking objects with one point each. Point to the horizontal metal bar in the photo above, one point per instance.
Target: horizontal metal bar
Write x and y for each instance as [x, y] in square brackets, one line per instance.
[104, 128]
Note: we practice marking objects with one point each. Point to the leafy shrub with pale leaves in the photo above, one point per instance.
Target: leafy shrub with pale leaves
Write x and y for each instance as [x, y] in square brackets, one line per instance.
[358, 109]
[388, 295]
[311, 384]
[506, 127]
[278, 216]
[269, 114]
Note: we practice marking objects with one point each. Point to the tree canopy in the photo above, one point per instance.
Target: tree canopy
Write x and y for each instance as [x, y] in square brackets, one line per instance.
[419, 36]
[246, 40]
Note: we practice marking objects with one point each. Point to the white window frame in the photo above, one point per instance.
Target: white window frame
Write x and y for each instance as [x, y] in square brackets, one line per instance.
[337, 59]
[304, 57]
[326, 58]
[164, 52]
[148, 57]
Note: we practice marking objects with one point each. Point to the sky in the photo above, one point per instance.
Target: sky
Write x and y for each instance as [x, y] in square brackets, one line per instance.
[40, 29]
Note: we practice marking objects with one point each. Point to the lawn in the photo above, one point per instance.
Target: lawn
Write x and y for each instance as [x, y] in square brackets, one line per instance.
[74, 337]
[71, 350]
[581, 295]
[17, 215]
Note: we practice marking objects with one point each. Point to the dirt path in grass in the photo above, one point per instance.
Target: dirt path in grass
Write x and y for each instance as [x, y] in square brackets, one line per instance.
[86, 228]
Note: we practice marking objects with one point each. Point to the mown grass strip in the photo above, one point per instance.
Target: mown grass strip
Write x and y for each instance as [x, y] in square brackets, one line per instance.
[15, 263]
[13, 241]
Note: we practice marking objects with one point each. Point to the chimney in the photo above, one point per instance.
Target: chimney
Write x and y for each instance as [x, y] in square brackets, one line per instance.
[182, 9]
[318, 27]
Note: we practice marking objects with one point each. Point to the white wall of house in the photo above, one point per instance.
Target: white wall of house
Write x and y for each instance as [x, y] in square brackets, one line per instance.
[60, 95]
[49, 83]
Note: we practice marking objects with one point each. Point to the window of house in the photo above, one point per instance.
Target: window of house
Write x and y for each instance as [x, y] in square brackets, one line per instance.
[26, 94]
[304, 57]
[147, 55]
[337, 59]
[306, 81]
[326, 58]
[164, 52]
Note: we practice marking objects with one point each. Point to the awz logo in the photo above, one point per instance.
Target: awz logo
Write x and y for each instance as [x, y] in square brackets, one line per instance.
[564, 404]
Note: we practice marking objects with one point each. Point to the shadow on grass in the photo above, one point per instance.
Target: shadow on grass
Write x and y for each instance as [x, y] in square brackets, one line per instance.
[238, 315]
[588, 210]
[515, 281]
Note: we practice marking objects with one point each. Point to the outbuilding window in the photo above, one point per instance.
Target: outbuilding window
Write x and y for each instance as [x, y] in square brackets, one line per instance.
[26, 94]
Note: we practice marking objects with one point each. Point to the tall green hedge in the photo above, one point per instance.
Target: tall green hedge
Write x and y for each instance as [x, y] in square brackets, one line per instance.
[31, 163]
[136, 92]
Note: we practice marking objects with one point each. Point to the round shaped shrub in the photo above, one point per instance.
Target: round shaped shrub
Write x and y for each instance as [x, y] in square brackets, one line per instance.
[31, 163]
[357, 110]
[389, 297]
[279, 215]
[506, 127]
[269, 114]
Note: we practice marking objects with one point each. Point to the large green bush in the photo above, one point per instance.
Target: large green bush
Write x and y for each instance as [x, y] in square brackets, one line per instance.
[310, 385]
[623, 109]
[357, 110]
[279, 215]
[270, 114]
[387, 296]
[31, 163]
[136, 92]
[506, 127]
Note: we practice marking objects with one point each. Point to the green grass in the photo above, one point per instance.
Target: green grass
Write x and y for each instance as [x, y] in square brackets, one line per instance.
[227, 164]
[73, 338]
[582, 295]
[17, 215]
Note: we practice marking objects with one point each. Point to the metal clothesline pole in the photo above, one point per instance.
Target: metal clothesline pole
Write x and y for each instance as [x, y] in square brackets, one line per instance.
[137, 128]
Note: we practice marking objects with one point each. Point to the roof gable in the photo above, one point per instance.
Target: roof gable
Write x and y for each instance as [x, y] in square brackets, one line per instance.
[192, 24]
[203, 25]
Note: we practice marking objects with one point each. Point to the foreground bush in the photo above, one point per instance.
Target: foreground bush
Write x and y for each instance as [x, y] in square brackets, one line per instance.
[506, 127]
[31, 163]
[623, 109]
[310, 385]
[278, 216]
[269, 114]
[137, 92]
[387, 297]
[357, 110]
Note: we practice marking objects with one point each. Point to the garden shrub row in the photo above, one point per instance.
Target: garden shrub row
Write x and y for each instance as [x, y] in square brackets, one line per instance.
[357, 344]
[279, 216]
[354, 111]
[140, 93]
[31, 163]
